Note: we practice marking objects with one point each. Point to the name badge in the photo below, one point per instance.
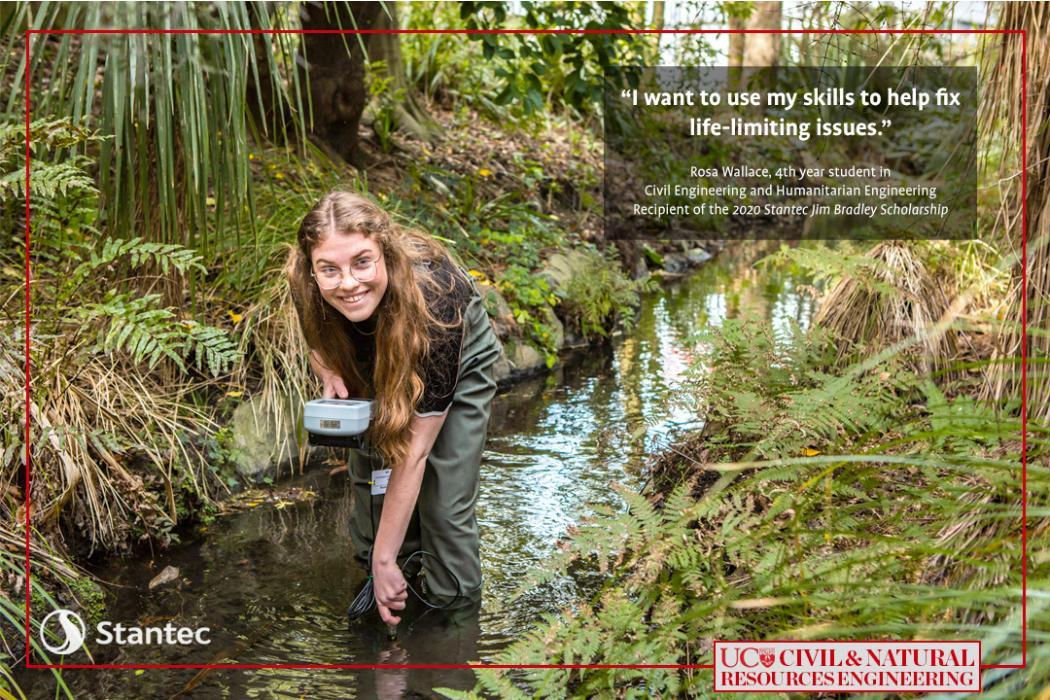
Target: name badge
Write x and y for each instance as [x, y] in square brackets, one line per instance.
[380, 478]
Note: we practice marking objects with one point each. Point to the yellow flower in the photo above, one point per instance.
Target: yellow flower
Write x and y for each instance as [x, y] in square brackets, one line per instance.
[484, 172]
[279, 176]
[810, 452]
[251, 156]
[234, 316]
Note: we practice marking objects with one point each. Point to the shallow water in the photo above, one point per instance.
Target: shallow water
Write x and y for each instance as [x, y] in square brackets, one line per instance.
[273, 583]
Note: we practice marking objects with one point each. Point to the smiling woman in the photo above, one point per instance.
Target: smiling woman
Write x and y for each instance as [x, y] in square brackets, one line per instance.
[364, 277]
[388, 315]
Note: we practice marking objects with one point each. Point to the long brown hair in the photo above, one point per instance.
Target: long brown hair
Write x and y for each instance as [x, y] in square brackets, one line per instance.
[401, 335]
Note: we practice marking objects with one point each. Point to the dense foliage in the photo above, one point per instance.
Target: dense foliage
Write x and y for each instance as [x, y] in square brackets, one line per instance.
[560, 70]
[821, 504]
[858, 479]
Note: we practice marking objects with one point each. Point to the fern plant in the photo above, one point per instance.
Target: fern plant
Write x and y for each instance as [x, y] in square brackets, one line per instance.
[891, 522]
[599, 295]
[778, 397]
[147, 332]
[111, 359]
[61, 191]
[138, 253]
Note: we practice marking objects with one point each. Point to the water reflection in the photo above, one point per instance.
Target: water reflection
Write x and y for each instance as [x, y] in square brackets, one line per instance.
[273, 583]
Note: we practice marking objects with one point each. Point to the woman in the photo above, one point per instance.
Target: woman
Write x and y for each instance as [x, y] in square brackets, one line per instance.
[387, 314]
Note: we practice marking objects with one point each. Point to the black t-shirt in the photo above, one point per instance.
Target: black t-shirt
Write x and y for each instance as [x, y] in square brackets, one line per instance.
[439, 369]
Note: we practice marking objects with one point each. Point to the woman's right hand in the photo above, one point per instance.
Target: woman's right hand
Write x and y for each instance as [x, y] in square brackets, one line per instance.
[334, 386]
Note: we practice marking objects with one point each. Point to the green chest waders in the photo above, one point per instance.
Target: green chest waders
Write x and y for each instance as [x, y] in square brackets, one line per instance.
[443, 522]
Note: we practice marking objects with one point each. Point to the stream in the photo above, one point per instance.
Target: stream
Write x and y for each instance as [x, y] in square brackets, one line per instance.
[273, 582]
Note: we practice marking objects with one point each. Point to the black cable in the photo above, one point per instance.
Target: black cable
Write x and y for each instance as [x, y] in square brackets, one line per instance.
[364, 601]
[459, 586]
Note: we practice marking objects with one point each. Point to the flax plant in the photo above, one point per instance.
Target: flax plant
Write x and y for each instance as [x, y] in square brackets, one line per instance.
[47, 569]
[175, 108]
[1012, 66]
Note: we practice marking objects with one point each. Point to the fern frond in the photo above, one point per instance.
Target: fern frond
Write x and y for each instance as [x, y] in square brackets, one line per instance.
[495, 681]
[43, 133]
[166, 256]
[212, 347]
[46, 181]
[146, 332]
[642, 512]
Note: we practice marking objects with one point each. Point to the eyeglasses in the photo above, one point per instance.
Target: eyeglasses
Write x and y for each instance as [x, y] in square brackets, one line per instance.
[361, 269]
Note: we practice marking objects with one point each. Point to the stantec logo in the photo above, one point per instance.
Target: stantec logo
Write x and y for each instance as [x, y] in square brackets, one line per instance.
[65, 625]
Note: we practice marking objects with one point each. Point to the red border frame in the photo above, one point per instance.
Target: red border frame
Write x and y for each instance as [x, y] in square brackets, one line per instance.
[1024, 325]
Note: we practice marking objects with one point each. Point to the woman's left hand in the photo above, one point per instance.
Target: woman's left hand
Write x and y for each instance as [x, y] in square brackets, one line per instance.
[391, 590]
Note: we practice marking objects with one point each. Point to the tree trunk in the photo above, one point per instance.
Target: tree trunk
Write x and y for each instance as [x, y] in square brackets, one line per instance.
[335, 67]
[409, 115]
[658, 14]
[736, 50]
[763, 50]
[658, 24]
[260, 100]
